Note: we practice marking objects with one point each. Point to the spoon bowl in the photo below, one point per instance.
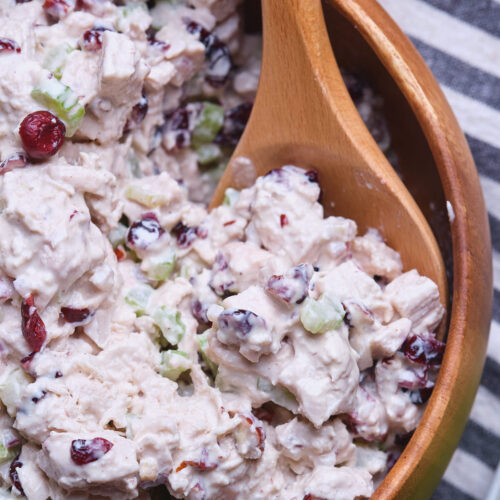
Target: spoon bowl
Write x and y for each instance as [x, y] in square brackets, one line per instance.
[303, 115]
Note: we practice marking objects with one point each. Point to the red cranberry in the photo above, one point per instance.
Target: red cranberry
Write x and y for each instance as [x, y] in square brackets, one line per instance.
[203, 464]
[137, 114]
[185, 235]
[14, 476]
[199, 311]
[292, 287]
[238, 321]
[216, 53]
[37, 399]
[72, 315]
[42, 134]
[56, 8]
[235, 121]
[33, 327]
[144, 232]
[283, 220]
[27, 360]
[85, 451]
[423, 350]
[7, 45]
[92, 39]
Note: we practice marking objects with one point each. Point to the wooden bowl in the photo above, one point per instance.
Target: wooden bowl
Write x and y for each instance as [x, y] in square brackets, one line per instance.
[437, 167]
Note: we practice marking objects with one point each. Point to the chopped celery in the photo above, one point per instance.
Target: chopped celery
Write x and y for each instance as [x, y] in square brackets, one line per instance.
[208, 153]
[278, 395]
[145, 198]
[173, 363]
[8, 454]
[56, 59]
[202, 343]
[170, 323]
[319, 316]
[117, 236]
[160, 267]
[209, 123]
[62, 100]
[134, 166]
[231, 196]
[12, 388]
[138, 298]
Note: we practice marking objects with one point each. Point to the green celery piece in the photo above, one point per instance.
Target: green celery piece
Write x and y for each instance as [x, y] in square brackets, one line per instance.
[208, 153]
[161, 266]
[319, 316]
[173, 363]
[134, 166]
[202, 343]
[209, 123]
[278, 395]
[8, 454]
[145, 198]
[60, 99]
[138, 298]
[231, 196]
[55, 59]
[117, 236]
[11, 389]
[170, 323]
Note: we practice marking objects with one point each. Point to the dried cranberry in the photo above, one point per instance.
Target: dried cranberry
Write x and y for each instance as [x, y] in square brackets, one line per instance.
[312, 497]
[58, 374]
[92, 39]
[144, 232]
[312, 176]
[283, 220]
[292, 287]
[14, 476]
[72, 315]
[85, 451]
[199, 311]
[37, 399]
[16, 160]
[423, 350]
[137, 114]
[216, 53]
[120, 254]
[239, 321]
[27, 360]
[56, 8]
[7, 45]
[235, 121]
[42, 134]
[203, 464]
[185, 235]
[32, 326]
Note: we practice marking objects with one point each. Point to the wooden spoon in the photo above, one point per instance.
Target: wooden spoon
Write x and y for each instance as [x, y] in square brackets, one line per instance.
[303, 115]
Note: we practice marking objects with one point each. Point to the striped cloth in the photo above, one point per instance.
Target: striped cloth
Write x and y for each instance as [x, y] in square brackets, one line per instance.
[460, 41]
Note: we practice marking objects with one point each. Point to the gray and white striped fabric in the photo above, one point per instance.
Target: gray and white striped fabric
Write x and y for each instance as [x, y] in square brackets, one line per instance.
[460, 41]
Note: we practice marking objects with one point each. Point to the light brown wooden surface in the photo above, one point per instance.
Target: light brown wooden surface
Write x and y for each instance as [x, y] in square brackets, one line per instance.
[303, 115]
[423, 462]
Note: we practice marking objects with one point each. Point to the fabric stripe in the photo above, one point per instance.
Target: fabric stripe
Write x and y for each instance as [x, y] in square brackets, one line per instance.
[446, 33]
[494, 343]
[488, 452]
[496, 304]
[460, 76]
[469, 474]
[475, 118]
[486, 410]
[446, 490]
[490, 378]
[487, 157]
[495, 240]
[491, 192]
[481, 13]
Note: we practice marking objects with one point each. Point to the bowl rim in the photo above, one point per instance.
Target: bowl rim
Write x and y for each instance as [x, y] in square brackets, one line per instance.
[424, 460]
